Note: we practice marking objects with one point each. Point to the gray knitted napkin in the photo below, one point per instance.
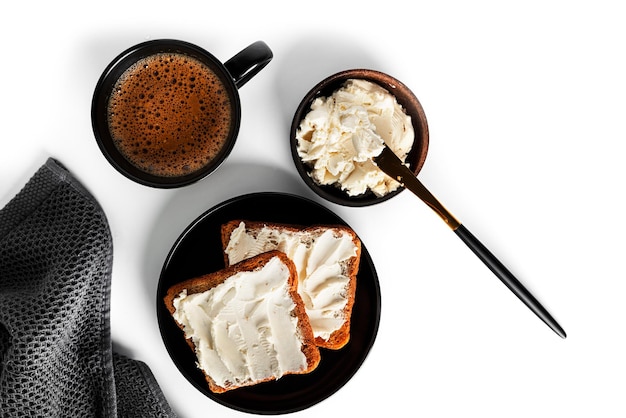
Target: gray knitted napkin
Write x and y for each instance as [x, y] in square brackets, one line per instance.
[56, 357]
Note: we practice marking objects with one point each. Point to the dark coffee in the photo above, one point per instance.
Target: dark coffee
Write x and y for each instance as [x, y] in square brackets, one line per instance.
[169, 114]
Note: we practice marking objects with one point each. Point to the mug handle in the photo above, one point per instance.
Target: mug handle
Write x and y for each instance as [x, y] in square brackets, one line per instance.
[248, 62]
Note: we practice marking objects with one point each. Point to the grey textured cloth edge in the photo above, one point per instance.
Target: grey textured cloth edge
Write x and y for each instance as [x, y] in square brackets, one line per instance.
[35, 344]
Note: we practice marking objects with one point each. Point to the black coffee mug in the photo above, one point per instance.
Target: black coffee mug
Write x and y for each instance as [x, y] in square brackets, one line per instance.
[232, 74]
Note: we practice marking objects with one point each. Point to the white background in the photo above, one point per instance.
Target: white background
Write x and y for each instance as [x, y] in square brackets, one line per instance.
[525, 103]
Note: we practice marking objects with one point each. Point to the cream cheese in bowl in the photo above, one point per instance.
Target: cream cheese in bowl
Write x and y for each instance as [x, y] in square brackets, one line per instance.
[343, 132]
[343, 122]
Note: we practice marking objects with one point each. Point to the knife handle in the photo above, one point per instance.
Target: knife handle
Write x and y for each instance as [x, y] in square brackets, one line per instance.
[507, 278]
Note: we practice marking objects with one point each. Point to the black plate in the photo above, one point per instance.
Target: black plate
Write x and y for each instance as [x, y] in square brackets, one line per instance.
[198, 251]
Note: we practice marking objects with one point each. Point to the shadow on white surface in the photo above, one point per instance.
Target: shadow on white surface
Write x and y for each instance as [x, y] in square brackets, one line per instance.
[310, 60]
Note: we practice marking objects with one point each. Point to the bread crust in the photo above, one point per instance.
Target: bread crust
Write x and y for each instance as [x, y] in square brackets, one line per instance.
[340, 337]
[209, 281]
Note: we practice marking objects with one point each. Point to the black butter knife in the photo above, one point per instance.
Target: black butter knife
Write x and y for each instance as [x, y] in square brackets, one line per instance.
[391, 165]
